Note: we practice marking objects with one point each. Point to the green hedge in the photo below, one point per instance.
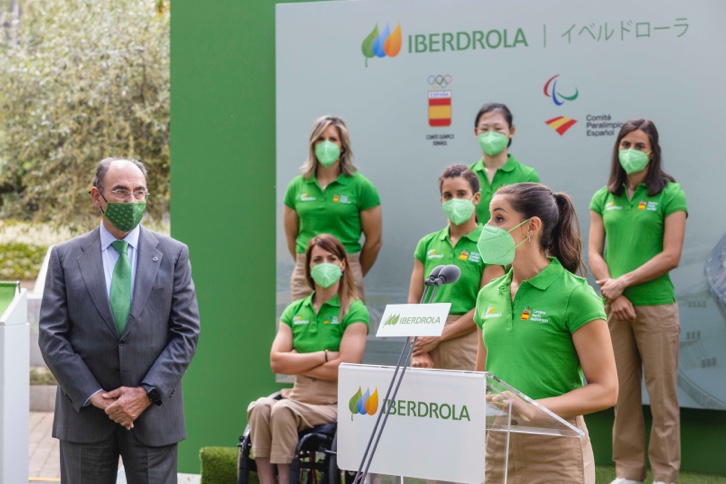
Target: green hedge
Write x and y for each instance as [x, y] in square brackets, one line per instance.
[20, 261]
[219, 465]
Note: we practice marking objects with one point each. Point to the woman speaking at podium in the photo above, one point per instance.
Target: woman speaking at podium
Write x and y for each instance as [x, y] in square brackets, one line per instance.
[494, 130]
[316, 334]
[543, 327]
[456, 244]
[331, 197]
[642, 215]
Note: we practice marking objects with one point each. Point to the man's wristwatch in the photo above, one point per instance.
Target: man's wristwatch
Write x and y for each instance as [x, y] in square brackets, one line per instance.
[153, 395]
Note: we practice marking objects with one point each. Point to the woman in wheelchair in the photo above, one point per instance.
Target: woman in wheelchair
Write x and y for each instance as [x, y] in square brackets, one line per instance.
[315, 336]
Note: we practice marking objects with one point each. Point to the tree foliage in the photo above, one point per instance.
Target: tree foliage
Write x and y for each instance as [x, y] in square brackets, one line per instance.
[81, 81]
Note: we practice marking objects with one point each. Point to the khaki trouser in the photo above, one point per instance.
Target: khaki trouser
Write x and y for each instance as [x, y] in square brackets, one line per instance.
[274, 424]
[299, 285]
[458, 353]
[540, 459]
[649, 344]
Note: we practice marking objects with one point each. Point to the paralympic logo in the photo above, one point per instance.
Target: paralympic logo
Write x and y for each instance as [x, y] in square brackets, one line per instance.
[557, 97]
[382, 44]
[363, 403]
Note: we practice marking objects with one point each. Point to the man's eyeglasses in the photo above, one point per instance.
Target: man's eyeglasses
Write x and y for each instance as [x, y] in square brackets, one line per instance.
[122, 193]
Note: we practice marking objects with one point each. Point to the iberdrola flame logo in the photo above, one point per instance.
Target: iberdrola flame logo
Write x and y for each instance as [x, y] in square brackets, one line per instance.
[363, 403]
[392, 320]
[382, 44]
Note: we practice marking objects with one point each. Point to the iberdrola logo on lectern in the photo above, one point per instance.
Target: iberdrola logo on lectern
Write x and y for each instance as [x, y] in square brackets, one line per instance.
[363, 403]
[392, 320]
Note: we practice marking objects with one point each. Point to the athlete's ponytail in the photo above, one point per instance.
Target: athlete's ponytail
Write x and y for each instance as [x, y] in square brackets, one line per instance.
[560, 236]
[566, 244]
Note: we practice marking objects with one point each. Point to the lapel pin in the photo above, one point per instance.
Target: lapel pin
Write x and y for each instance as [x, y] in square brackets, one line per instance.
[155, 258]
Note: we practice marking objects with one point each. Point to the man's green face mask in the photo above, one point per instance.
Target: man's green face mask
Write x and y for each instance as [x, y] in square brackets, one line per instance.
[125, 216]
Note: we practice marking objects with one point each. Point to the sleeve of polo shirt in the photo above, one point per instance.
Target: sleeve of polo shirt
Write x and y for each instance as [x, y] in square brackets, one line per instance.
[584, 306]
[676, 199]
[290, 194]
[358, 313]
[420, 252]
[598, 200]
[533, 176]
[368, 195]
[288, 314]
[480, 307]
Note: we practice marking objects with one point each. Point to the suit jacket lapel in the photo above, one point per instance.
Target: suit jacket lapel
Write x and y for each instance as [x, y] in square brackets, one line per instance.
[147, 267]
[91, 266]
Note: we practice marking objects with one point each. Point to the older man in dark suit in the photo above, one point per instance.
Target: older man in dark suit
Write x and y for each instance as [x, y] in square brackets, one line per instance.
[118, 327]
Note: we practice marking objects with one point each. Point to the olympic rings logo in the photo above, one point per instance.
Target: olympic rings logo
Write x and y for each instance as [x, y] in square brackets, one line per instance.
[439, 81]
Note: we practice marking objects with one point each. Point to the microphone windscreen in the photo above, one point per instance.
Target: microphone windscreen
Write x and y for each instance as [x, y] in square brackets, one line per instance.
[435, 272]
[449, 274]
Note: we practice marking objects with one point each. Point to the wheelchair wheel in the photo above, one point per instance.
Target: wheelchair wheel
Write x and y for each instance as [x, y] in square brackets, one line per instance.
[244, 463]
[310, 463]
[303, 470]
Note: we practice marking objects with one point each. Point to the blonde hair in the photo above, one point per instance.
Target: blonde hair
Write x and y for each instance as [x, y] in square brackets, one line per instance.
[346, 286]
[347, 166]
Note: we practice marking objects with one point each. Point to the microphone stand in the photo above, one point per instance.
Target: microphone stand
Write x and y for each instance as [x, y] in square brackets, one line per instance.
[402, 364]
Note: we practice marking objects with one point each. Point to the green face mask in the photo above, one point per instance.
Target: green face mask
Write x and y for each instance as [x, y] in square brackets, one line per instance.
[492, 143]
[327, 153]
[633, 161]
[326, 274]
[125, 216]
[496, 245]
[458, 210]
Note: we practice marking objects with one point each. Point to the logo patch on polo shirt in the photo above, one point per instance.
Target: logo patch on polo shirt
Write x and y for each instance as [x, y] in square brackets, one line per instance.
[464, 255]
[299, 320]
[328, 320]
[612, 206]
[525, 314]
[341, 199]
[641, 205]
[433, 255]
[490, 313]
[539, 316]
[306, 198]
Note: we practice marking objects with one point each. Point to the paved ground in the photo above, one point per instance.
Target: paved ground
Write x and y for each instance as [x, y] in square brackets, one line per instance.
[44, 464]
[44, 457]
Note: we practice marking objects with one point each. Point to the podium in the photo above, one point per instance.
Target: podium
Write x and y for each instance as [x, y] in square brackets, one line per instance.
[14, 383]
[446, 425]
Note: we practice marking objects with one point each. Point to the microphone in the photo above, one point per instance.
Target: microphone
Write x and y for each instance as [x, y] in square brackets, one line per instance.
[433, 275]
[448, 275]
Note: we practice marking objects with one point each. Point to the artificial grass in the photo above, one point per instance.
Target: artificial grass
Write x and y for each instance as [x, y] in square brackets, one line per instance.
[605, 474]
[219, 466]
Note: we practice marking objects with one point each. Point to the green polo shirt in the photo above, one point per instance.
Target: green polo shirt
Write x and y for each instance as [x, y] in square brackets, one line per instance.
[529, 340]
[634, 234]
[322, 331]
[335, 210]
[510, 173]
[435, 249]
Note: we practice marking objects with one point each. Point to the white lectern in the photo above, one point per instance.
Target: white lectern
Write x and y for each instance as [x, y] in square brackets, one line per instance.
[14, 383]
[444, 425]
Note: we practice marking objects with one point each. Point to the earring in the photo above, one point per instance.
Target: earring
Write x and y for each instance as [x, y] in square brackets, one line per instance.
[529, 239]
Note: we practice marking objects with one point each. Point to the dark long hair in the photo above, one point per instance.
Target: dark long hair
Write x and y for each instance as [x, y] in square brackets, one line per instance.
[497, 108]
[560, 228]
[656, 179]
[346, 288]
